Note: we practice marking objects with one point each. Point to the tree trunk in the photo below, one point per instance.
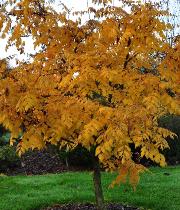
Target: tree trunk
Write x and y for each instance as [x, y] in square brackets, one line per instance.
[97, 185]
[67, 163]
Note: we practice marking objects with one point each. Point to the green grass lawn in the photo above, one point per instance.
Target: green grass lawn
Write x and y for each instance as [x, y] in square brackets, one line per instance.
[156, 191]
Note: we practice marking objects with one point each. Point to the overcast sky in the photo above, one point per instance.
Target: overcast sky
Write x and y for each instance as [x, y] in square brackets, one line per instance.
[74, 5]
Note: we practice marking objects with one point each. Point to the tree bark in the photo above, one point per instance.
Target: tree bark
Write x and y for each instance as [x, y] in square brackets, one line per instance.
[97, 185]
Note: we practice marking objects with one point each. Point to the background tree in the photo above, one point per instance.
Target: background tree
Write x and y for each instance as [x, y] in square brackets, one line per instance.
[87, 87]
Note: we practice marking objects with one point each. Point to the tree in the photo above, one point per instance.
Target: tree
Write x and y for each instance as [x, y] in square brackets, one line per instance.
[171, 18]
[102, 84]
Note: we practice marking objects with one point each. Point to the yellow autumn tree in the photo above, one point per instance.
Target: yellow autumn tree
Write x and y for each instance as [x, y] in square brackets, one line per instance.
[102, 84]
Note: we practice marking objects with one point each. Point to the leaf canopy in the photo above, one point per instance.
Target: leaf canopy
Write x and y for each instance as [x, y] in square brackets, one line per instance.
[102, 84]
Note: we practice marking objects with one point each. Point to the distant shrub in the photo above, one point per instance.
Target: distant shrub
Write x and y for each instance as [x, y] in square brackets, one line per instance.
[172, 123]
[8, 158]
[79, 157]
[4, 136]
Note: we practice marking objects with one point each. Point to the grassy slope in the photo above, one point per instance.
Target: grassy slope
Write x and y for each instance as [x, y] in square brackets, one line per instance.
[156, 191]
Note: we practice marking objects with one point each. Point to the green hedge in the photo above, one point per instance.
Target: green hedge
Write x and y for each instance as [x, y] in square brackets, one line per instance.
[8, 158]
[172, 123]
[79, 157]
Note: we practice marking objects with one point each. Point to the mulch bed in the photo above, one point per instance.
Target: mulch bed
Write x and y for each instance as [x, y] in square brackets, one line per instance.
[89, 206]
[40, 162]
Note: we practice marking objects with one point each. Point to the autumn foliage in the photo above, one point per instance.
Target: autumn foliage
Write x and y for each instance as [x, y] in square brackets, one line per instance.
[102, 84]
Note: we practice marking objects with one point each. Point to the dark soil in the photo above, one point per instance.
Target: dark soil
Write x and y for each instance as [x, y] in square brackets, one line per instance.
[40, 162]
[89, 206]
